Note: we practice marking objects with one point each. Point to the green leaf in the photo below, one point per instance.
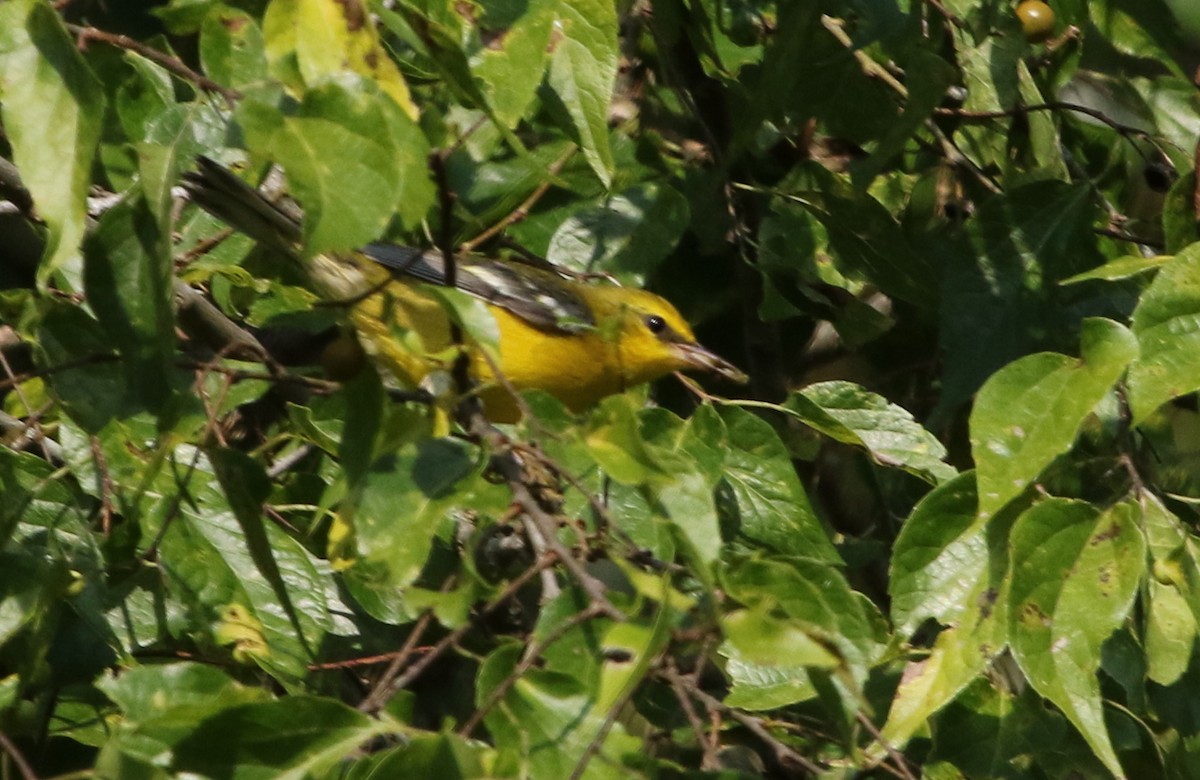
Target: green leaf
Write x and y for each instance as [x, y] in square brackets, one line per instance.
[31, 584]
[949, 566]
[818, 601]
[627, 234]
[940, 553]
[674, 486]
[288, 739]
[209, 565]
[1030, 411]
[989, 728]
[93, 388]
[1001, 294]
[149, 693]
[1075, 572]
[756, 637]
[352, 158]
[232, 48]
[52, 106]
[1121, 268]
[444, 756]
[1168, 333]
[848, 413]
[1180, 225]
[312, 42]
[550, 719]
[397, 508]
[924, 95]
[31, 492]
[772, 508]
[511, 67]
[583, 67]
[144, 96]
[1172, 611]
[127, 278]
[870, 245]
[806, 72]
[990, 78]
[1045, 144]
[764, 687]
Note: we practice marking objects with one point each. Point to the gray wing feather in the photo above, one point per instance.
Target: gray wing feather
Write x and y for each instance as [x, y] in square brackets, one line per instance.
[540, 297]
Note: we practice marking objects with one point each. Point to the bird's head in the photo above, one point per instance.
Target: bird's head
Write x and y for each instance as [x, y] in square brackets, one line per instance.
[654, 339]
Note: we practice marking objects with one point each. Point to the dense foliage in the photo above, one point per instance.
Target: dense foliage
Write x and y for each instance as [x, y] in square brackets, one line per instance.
[946, 531]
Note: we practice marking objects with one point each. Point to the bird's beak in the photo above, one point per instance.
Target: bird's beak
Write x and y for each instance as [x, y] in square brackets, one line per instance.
[696, 356]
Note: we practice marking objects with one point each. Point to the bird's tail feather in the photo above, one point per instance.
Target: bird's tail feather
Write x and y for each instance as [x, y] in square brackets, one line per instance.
[221, 193]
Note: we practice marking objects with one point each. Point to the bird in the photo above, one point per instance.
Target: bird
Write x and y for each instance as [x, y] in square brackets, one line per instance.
[575, 340]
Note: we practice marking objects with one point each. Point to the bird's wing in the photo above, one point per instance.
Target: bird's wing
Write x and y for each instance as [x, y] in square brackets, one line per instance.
[541, 298]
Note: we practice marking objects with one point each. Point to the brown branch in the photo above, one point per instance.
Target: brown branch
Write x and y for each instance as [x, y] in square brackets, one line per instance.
[13, 189]
[397, 658]
[208, 324]
[522, 211]
[26, 433]
[505, 461]
[17, 757]
[610, 720]
[172, 64]
[387, 686]
[528, 450]
[897, 757]
[708, 741]
[787, 758]
[531, 656]
[315, 385]
[1120, 235]
[1053, 105]
[107, 510]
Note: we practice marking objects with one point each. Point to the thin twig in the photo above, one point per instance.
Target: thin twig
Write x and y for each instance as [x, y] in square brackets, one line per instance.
[870, 68]
[398, 658]
[172, 64]
[285, 464]
[610, 720]
[708, 740]
[550, 589]
[107, 510]
[507, 463]
[387, 686]
[1052, 105]
[873, 69]
[522, 211]
[783, 754]
[531, 656]
[896, 756]
[17, 757]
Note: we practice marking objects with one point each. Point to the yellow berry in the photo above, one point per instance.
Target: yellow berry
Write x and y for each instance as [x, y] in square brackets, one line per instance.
[343, 358]
[1037, 19]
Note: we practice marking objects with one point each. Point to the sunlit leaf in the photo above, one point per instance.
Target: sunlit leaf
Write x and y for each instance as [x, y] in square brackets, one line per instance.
[1075, 573]
[1030, 411]
[52, 104]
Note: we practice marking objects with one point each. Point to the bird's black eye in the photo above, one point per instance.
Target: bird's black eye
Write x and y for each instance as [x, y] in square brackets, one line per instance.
[656, 324]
